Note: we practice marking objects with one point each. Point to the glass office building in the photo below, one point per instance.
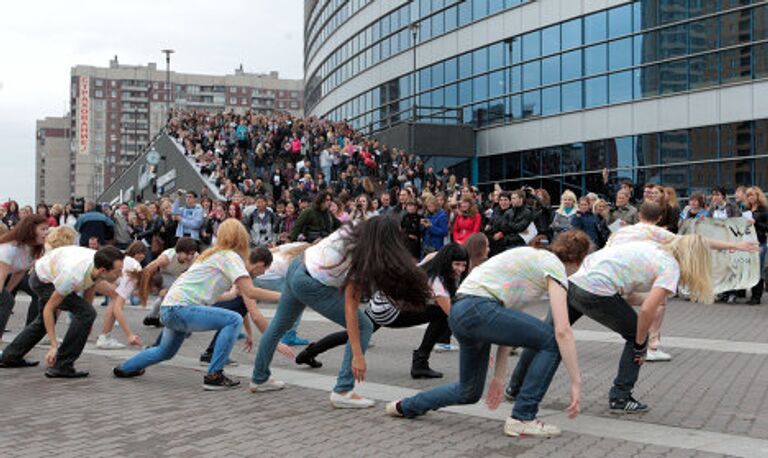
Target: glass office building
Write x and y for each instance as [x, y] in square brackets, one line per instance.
[666, 91]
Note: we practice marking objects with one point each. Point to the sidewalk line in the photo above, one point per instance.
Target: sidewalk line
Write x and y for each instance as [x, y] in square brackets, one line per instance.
[628, 430]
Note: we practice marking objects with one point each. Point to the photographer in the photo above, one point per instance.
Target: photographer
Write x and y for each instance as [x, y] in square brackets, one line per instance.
[262, 224]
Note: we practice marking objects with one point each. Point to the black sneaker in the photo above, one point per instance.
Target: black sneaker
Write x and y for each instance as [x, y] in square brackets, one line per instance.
[510, 394]
[218, 381]
[205, 359]
[305, 358]
[629, 405]
[152, 321]
[119, 373]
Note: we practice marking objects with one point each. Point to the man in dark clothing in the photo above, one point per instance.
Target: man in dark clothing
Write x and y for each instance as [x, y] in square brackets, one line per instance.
[316, 221]
[506, 228]
[94, 223]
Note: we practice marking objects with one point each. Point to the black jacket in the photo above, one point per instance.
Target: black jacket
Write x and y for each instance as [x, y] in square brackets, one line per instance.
[411, 225]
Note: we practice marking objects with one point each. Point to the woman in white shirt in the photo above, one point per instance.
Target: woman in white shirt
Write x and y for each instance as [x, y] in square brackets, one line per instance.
[488, 312]
[331, 278]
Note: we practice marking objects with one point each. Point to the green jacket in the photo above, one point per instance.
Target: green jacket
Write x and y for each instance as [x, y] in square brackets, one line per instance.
[314, 224]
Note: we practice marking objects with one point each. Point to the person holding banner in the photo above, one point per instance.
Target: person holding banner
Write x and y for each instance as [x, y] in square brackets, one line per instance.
[758, 206]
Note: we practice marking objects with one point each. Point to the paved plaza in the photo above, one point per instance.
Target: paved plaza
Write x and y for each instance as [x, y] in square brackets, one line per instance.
[709, 401]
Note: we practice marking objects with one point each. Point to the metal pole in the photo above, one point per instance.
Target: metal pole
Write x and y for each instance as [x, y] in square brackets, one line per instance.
[168, 53]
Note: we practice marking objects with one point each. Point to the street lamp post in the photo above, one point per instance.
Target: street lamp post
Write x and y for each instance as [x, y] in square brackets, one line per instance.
[414, 28]
[168, 53]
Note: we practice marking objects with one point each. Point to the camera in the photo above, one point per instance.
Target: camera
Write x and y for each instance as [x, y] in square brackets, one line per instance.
[262, 232]
[359, 206]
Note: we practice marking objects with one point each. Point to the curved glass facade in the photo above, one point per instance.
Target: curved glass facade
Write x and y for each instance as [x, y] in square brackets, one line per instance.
[324, 19]
[633, 51]
[390, 35]
[692, 160]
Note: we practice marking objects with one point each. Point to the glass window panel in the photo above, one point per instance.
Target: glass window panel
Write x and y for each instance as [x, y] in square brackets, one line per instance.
[515, 49]
[595, 59]
[496, 110]
[674, 146]
[531, 163]
[647, 149]
[736, 140]
[450, 67]
[550, 100]
[438, 24]
[438, 98]
[511, 167]
[572, 99]
[760, 53]
[573, 163]
[494, 6]
[704, 141]
[595, 92]
[672, 11]
[465, 13]
[646, 48]
[479, 9]
[425, 78]
[451, 95]
[552, 186]
[480, 87]
[646, 81]
[550, 40]
[480, 113]
[531, 74]
[703, 35]
[515, 107]
[596, 156]
[735, 65]
[516, 79]
[465, 92]
[702, 178]
[496, 167]
[734, 28]
[571, 34]
[438, 75]
[673, 41]
[550, 70]
[465, 65]
[620, 21]
[760, 23]
[496, 85]
[624, 149]
[550, 161]
[531, 104]
[673, 76]
[620, 86]
[676, 177]
[450, 18]
[572, 65]
[703, 71]
[496, 56]
[595, 27]
[531, 45]
[480, 60]
[702, 7]
[620, 54]
[735, 173]
[646, 14]
[484, 169]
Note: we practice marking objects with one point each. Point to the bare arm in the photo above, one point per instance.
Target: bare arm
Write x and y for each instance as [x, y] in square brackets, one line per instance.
[351, 302]
[14, 281]
[161, 262]
[444, 303]
[647, 314]
[89, 294]
[565, 342]
[245, 285]
[5, 270]
[737, 246]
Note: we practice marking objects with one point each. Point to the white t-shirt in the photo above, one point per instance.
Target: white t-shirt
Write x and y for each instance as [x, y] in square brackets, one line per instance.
[127, 284]
[515, 277]
[280, 262]
[206, 280]
[175, 268]
[323, 260]
[18, 257]
[628, 268]
[641, 232]
[69, 268]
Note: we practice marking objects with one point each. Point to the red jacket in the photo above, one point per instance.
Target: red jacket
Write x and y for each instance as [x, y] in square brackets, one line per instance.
[464, 226]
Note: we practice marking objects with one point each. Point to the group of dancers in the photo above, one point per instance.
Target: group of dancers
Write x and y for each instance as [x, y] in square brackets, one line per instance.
[480, 301]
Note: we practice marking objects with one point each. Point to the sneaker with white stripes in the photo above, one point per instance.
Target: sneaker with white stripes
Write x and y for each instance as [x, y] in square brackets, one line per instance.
[629, 405]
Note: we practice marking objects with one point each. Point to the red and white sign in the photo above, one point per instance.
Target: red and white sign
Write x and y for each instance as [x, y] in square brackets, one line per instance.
[83, 115]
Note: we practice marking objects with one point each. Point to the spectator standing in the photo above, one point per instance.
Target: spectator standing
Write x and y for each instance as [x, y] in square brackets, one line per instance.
[696, 208]
[189, 217]
[315, 222]
[758, 204]
[262, 224]
[94, 224]
[585, 220]
[624, 211]
[434, 226]
[467, 221]
[564, 215]
[123, 232]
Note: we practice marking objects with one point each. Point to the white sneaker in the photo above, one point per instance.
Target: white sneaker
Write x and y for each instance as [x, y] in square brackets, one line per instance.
[108, 343]
[657, 356]
[532, 428]
[391, 409]
[270, 385]
[46, 341]
[350, 400]
[443, 348]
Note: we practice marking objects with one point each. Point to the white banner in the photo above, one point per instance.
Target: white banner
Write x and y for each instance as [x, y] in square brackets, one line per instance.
[730, 270]
[83, 115]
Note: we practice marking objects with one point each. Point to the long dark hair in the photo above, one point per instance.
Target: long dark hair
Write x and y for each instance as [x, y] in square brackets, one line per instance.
[379, 261]
[25, 233]
[441, 266]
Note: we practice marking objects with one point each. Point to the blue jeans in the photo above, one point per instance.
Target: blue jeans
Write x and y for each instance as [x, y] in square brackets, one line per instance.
[301, 290]
[478, 322]
[179, 320]
[276, 284]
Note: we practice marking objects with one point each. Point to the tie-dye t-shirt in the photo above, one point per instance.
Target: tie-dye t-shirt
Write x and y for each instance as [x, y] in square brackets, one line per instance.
[206, 280]
[641, 232]
[69, 268]
[633, 267]
[18, 257]
[324, 259]
[515, 277]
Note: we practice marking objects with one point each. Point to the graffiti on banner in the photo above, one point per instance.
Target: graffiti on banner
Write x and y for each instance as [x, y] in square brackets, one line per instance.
[731, 270]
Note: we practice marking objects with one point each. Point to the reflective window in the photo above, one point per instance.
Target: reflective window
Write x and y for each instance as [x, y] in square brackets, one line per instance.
[465, 65]
[735, 65]
[702, 7]
[760, 53]
[479, 9]
[465, 13]
[674, 146]
[465, 92]
[496, 84]
[550, 100]
[673, 76]
[572, 64]
[531, 104]
[496, 55]
[645, 14]
[438, 24]
[620, 21]
[451, 92]
[571, 34]
[647, 81]
[480, 87]
[704, 142]
[515, 49]
[571, 96]
[531, 75]
[620, 54]
[531, 163]
[494, 6]
[703, 71]
[550, 40]
[672, 11]
[760, 23]
[646, 47]
[595, 27]
[451, 15]
[550, 70]
[647, 149]
[595, 92]
[703, 35]
[515, 107]
[480, 60]
[531, 45]
[673, 41]
[451, 69]
[595, 59]
[620, 87]
[516, 79]
[734, 28]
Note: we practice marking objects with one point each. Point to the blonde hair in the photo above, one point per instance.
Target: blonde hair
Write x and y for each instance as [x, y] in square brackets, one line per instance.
[566, 193]
[59, 237]
[762, 201]
[671, 195]
[230, 236]
[693, 256]
[598, 202]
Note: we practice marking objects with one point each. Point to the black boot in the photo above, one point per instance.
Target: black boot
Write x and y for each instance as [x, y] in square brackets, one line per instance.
[307, 356]
[757, 293]
[420, 366]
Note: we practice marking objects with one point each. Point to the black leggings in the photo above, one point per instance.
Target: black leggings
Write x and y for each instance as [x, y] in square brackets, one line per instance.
[8, 300]
[434, 315]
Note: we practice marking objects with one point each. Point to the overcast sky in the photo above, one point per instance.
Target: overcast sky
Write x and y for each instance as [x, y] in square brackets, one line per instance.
[41, 40]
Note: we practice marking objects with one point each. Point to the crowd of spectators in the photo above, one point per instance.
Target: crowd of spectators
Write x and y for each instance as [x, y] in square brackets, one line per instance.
[290, 179]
